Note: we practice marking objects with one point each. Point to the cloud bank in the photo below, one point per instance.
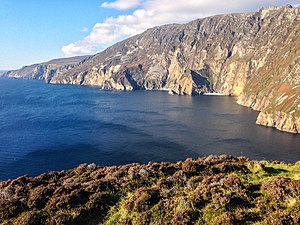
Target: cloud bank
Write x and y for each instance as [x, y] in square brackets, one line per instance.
[122, 4]
[150, 13]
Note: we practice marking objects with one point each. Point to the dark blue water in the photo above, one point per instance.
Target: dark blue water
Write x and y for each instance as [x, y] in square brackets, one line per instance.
[54, 127]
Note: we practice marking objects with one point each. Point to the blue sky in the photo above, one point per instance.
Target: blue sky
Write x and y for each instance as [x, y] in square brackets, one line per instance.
[35, 30]
[39, 30]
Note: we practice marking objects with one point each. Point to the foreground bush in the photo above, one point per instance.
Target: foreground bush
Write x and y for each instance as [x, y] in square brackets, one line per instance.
[212, 190]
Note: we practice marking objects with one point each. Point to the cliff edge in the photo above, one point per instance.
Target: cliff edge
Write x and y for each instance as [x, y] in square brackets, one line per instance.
[212, 190]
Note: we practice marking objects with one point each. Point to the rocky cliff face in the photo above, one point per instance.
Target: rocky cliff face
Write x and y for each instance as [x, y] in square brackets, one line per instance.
[274, 87]
[251, 55]
[46, 71]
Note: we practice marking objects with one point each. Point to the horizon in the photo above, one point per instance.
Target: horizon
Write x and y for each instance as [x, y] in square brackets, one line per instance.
[38, 32]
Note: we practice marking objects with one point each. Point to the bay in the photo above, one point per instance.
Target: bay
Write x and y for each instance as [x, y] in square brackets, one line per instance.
[53, 127]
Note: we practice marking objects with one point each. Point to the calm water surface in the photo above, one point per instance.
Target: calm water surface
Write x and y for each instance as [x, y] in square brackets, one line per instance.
[53, 127]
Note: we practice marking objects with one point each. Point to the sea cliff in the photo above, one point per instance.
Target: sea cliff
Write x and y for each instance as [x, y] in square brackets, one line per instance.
[255, 56]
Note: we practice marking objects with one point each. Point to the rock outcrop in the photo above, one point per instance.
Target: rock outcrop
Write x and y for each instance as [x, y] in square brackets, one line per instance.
[280, 120]
[255, 56]
[212, 190]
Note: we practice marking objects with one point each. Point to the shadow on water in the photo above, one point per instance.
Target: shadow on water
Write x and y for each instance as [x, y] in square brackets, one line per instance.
[67, 157]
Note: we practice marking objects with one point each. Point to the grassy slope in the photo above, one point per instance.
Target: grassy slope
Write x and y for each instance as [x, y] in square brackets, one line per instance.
[278, 81]
[212, 190]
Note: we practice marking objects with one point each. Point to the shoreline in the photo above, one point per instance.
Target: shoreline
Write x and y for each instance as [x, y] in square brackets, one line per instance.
[213, 94]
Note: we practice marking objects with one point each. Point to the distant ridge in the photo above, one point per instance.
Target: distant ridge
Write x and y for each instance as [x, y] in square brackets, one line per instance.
[2, 72]
[46, 70]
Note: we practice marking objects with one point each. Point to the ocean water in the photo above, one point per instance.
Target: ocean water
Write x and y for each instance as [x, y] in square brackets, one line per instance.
[53, 127]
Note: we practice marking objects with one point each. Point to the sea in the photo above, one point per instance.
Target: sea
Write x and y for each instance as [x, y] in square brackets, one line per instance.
[46, 127]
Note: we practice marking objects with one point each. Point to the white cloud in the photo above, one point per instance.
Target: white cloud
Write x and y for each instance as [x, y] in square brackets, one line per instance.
[85, 30]
[156, 12]
[122, 4]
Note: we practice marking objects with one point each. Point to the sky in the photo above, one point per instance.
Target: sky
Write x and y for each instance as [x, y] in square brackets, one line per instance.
[34, 31]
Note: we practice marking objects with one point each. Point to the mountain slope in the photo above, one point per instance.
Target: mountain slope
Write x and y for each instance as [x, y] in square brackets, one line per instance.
[251, 55]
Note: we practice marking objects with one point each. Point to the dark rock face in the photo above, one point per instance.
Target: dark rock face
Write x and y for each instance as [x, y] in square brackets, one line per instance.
[251, 55]
[211, 190]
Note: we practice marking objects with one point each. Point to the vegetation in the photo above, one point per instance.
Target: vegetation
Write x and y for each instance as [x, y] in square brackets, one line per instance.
[212, 190]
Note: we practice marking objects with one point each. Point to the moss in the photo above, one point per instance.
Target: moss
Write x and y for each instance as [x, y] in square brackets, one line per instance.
[31, 218]
[116, 214]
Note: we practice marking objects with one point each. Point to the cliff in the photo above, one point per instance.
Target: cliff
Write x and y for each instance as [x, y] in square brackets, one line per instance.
[211, 190]
[47, 70]
[2, 72]
[251, 55]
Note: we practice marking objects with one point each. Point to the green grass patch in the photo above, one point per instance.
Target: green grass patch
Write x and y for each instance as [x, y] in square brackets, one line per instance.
[263, 170]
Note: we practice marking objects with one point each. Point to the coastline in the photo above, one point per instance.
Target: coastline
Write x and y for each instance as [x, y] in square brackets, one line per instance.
[213, 94]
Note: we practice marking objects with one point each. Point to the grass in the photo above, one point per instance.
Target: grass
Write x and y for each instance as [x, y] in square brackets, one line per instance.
[264, 170]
